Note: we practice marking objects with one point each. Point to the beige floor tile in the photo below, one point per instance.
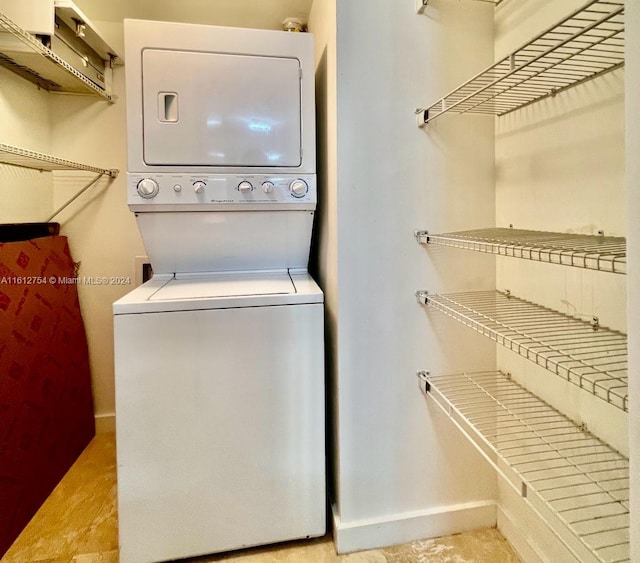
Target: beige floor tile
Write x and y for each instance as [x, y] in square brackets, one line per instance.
[79, 524]
[101, 557]
[61, 522]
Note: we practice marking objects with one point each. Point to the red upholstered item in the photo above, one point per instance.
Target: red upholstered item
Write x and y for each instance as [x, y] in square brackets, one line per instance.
[46, 406]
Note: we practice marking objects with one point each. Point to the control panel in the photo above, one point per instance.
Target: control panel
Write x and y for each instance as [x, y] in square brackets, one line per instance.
[176, 189]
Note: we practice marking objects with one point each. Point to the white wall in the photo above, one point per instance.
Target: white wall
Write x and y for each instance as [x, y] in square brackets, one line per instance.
[26, 195]
[632, 78]
[402, 469]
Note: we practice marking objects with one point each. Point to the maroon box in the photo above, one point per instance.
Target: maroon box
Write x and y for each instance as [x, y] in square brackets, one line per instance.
[46, 405]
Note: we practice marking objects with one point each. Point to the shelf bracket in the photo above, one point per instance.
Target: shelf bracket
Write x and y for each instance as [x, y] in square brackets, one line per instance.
[422, 116]
[421, 236]
[423, 376]
[79, 193]
[421, 5]
[422, 296]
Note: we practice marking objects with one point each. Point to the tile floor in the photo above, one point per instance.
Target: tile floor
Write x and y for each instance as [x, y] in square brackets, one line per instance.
[79, 523]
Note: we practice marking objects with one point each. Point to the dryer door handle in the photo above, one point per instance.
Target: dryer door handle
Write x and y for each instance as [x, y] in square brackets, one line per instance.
[168, 107]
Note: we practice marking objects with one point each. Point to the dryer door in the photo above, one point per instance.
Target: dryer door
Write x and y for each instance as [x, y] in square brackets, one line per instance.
[214, 109]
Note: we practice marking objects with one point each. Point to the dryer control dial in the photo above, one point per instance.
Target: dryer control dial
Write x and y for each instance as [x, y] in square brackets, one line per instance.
[298, 188]
[267, 187]
[148, 188]
[199, 187]
[245, 186]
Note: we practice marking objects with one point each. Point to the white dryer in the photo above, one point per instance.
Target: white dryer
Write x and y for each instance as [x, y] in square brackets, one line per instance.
[219, 358]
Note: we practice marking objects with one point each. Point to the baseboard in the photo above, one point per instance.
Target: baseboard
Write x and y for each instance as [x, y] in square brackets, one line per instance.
[409, 526]
[533, 538]
[520, 542]
[105, 423]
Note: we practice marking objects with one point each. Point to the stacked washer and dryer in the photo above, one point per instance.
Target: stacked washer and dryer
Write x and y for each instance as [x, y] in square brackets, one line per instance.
[219, 371]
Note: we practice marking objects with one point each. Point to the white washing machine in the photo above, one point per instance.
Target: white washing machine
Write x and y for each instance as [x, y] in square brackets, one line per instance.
[219, 358]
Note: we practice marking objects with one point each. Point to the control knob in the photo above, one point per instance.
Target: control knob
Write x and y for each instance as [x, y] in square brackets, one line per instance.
[245, 186]
[199, 186]
[267, 187]
[148, 188]
[298, 188]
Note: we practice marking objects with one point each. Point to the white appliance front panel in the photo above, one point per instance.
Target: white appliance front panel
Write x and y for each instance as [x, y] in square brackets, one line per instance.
[220, 429]
[215, 109]
[212, 241]
[267, 94]
[225, 285]
[177, 192]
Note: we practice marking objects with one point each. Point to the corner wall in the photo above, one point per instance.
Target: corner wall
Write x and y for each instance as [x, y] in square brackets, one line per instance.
[632, 119]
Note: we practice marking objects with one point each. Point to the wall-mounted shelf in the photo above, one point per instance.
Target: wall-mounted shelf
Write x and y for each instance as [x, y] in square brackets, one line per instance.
[22, 53]
[578, 484]
[587, 355]
[16, 156]
[592, 252]
[586, 44]
[421, 5]
[38, 161]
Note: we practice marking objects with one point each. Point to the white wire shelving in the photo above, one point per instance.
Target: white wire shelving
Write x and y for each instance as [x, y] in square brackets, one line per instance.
[585, 354]
[586, 44]
[591, 252]
[22, 53]
[421, 5]
[16, 156]
[578, 484]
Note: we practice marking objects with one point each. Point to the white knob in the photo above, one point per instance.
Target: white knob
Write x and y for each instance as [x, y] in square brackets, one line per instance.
[177, 188]
[199, 187]
[148, 188]
[245, 186]
[267, 187]
[298, 188]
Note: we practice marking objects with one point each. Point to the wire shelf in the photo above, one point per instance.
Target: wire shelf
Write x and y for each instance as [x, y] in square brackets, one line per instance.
[607, 254]
[586, 44]
[587, 355]
[29, 58]
[578, 484]
[421, 5]
[39, 161]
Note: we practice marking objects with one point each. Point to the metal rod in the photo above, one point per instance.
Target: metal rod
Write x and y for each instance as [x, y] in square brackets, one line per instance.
[76, 196]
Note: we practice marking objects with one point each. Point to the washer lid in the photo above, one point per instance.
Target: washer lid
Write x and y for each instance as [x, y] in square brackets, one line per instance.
[193, 292]
[225, 285]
